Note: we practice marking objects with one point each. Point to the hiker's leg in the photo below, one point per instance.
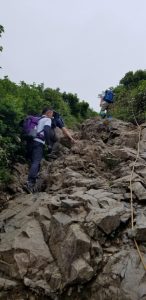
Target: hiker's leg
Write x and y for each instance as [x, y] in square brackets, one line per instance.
[29, 150]
[37, 155]
[109, 112]
[55, 142]
[55, 148]
[102, 113]
[52, 138]
[106, 105]
[103, 110]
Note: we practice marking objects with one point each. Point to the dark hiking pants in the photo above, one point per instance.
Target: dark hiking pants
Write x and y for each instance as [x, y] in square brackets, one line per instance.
[54, 141]
[36, 157]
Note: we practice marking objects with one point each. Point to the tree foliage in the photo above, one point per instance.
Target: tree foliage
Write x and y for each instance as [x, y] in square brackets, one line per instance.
[1, 31]
[132, 79]
[130, 100]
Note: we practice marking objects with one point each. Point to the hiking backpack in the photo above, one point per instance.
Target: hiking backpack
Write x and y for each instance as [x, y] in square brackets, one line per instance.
[108, 97]
[29, 127]
[57, 121]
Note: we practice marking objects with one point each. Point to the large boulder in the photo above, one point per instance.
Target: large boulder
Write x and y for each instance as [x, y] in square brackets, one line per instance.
[122, 278]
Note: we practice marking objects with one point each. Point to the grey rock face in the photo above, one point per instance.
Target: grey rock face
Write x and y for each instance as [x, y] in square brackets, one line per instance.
[139, 190]
[140, 227]
[124, 275]
[73, 240]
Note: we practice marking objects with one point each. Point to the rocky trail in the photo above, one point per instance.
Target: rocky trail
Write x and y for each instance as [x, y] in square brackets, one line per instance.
[72, 239]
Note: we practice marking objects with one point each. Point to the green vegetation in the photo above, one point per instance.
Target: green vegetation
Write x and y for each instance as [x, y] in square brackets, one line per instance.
[17, 101]
[130, 97]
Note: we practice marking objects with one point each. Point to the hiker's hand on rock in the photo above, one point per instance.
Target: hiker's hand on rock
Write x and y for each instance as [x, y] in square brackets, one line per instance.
[73, 140]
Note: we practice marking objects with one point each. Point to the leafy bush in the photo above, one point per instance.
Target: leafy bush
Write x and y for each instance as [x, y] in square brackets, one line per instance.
[130, 97]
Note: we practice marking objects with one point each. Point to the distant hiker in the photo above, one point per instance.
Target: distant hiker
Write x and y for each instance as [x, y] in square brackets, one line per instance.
[106, 101]
[57, 121]
[38, 130]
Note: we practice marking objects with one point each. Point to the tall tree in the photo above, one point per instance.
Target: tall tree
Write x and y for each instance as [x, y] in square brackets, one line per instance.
[130, 97]
[1, 31]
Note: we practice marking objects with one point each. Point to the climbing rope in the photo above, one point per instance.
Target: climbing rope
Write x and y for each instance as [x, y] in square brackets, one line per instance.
[131, 192]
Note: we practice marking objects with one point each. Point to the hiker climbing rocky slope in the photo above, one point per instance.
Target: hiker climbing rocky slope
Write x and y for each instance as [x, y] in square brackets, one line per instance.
[73, 238]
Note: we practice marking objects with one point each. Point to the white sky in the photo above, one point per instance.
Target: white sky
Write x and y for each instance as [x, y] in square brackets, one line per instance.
[80, 46]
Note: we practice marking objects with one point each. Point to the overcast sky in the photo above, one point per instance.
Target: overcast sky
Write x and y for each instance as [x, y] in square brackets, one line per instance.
[80, 46]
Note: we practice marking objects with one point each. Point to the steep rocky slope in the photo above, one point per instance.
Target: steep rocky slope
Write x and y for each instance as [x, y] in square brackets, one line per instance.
[72, 239]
